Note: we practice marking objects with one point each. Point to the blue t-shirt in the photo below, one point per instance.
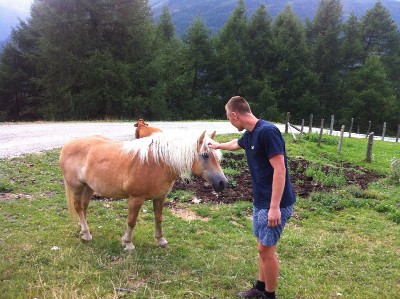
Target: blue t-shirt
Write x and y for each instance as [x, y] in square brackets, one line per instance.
[262, 143]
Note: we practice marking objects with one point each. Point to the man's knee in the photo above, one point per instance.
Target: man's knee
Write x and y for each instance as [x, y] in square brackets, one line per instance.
[266, 252]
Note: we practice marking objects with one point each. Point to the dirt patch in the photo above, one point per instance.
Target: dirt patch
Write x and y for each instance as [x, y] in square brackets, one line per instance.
[8, 196]
[186, 214]
[239, 187]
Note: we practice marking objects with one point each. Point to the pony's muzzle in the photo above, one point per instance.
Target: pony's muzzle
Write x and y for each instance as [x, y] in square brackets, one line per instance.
[219, 183]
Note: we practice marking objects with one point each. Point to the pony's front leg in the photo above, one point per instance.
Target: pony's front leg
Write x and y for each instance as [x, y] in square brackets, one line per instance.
[134, 205]
[158, 205]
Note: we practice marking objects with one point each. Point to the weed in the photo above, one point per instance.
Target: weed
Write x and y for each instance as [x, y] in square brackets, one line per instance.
[5, 186]
[333, 179]
[231, 182]
[326, 139]
[231, 171]
[181, 195]
[395, 169]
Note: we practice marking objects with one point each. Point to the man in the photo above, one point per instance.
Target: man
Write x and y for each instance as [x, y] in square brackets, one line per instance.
[273, 195]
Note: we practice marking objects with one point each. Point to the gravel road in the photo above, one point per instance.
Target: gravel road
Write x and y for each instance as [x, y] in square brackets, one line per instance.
[23, 138]
[17, 139]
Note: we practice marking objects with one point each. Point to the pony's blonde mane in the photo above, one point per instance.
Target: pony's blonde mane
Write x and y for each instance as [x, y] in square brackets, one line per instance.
[177, 151]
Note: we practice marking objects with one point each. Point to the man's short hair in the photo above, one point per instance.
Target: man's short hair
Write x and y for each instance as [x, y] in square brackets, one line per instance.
[238, 104]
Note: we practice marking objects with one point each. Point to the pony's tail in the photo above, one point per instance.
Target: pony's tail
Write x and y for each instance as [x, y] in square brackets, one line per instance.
[70, 201]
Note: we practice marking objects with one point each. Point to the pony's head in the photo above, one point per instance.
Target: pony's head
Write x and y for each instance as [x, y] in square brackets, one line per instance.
[140, 122]
[183, 154]
[207, 163]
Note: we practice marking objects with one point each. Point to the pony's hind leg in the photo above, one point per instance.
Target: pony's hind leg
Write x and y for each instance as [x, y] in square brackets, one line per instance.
[134, 205]
[78, 199]
[158, 205]
[83, 204]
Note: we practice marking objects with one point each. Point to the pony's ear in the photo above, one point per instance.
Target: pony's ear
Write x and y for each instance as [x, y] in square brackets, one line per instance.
[201, 138]
[212, 135]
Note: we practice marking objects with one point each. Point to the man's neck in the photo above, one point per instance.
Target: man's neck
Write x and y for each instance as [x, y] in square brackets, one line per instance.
[250, 122]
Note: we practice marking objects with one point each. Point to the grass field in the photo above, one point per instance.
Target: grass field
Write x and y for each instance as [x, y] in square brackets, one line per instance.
[343, 244]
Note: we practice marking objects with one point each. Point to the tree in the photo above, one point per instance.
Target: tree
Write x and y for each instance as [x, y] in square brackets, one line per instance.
[259, 47]
[381, 37]
[324, 40]
[69, 41]
[17, 72]
[379, 31]
[200, 56]
[293, 81]
[370, 96]
[351, 47]
[166, 29]
[233, 68]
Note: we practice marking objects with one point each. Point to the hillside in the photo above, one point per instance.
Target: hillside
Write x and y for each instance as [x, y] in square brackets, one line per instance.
[216, 12]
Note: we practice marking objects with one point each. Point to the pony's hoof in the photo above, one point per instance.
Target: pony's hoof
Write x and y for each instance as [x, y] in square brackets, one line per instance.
[129, 247]
[87, 237]
[162, 243]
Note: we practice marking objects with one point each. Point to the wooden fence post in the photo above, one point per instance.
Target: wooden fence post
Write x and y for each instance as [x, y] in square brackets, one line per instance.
[384, 131]
[341, 140]
[310, 123]
[369, 148]
[331, 127]
[287, 122]
[302, 128]
[321, 132]
[398, 133]
[369, 129]
[351, 127]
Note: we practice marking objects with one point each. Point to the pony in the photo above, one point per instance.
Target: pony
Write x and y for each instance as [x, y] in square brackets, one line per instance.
[143, 129]
[140, 169]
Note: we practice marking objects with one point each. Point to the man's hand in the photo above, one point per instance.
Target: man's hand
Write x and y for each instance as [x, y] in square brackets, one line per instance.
[274, 217]
[213, 144]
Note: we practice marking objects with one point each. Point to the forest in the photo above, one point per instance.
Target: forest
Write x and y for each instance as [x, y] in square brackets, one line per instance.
[108, 59]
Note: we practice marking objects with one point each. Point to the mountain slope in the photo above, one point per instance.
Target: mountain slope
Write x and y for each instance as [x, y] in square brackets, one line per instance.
[216, 12]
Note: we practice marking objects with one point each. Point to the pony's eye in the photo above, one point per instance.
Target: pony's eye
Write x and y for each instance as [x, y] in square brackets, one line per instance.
[205, 155]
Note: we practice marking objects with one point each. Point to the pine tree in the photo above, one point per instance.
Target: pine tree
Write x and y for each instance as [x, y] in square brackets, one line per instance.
[259, 47]
[17, 72]
[381, 37]
[351, 47]
[233, 69]
[200, 56]
[293, 81]
[166, 29]
[324, 39]
[370, 95]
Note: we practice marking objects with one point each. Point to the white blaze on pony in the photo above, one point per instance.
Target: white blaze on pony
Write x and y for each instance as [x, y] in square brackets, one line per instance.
[141, 169]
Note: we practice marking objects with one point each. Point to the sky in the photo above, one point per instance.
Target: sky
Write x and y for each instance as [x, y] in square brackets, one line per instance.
[21, 5]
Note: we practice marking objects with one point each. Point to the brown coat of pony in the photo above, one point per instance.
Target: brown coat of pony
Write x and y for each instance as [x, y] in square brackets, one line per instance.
[143, 129]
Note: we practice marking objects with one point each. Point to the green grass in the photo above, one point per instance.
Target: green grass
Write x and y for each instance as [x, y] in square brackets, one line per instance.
[343, 244]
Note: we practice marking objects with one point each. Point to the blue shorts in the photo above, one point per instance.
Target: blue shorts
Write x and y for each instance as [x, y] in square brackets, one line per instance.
[269, 235]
